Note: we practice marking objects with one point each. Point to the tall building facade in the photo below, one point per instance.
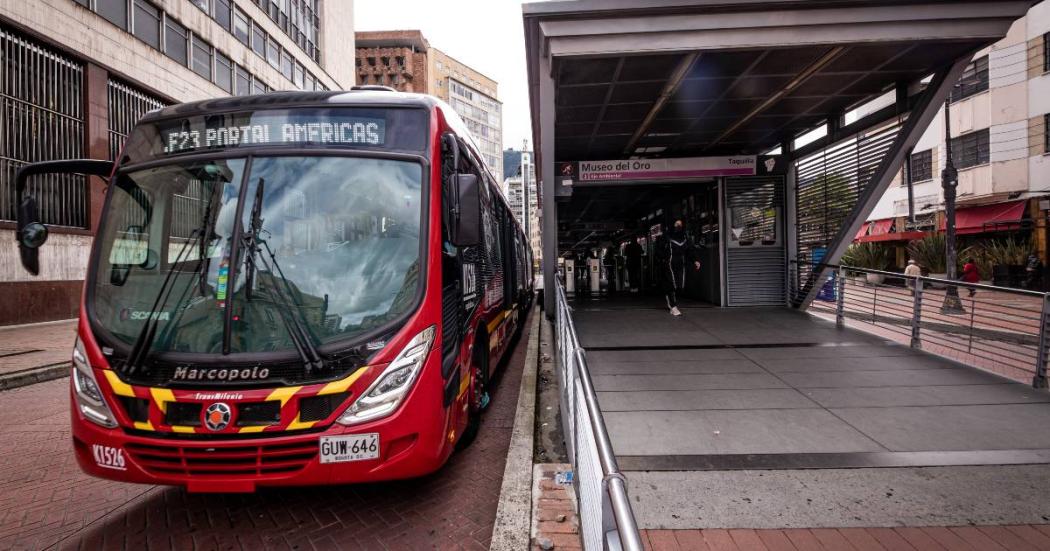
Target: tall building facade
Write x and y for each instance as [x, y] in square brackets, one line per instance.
[405, 61]
[999, 119]
[78, 74]
[520, 190]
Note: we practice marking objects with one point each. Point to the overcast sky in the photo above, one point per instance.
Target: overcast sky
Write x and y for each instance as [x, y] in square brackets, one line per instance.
[484, 34]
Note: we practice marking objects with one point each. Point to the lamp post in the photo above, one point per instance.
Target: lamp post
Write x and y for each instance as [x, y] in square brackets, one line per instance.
[949, 182]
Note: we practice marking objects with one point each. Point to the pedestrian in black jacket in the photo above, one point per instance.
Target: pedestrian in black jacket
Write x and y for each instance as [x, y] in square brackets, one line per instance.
[674, 251]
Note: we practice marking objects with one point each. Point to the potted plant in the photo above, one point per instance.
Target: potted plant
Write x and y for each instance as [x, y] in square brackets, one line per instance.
[871, 256]
[929, 254]
[1007, 259]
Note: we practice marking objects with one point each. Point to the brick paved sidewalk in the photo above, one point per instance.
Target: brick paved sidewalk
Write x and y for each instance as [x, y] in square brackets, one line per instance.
[952, 538]
[25, 347]
[46, 501]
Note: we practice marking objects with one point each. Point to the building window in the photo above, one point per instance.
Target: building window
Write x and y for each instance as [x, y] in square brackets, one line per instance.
[241, 27]
[224, 72]
[201, 57]
[971, 149]
[1046, 133]
[1046, 52]
[202, 4]
[175, 45]
[298, 76]
[258, 87]
[310, 82]
[223, 14]
[922, 166]
[286, 64]
[273, 55]
[974, 79]
[147, 23]
[114, 11]
[259, 40]
[244, 82]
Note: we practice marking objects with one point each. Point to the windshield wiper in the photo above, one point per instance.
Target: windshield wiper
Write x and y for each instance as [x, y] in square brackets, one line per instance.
[149, 329]
[301, 338]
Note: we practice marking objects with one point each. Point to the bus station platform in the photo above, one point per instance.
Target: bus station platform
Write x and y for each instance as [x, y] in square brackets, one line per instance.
[772, 418]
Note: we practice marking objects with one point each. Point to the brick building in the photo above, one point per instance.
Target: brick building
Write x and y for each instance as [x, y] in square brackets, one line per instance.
[405, 61]
[77, 74]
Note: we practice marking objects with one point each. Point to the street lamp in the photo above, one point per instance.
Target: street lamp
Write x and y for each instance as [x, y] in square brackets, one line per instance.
[949, 182]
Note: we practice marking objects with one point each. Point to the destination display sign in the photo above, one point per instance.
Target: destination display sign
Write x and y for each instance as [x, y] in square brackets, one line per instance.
[402, 129]
[272, 130]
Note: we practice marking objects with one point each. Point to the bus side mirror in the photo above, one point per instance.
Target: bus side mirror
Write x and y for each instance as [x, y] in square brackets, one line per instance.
[467, 210]
[31, 233]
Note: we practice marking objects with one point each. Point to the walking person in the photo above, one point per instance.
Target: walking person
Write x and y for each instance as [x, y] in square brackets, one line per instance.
[633, 251]
[1034, 273]
[673, 253]
[912, 271]
[970, 274]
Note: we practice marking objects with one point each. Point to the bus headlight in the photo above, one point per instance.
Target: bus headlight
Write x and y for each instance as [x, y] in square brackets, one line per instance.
[385, 394]
[88, 395]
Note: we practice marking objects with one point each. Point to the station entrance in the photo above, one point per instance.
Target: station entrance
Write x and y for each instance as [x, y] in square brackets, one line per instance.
[731, 240]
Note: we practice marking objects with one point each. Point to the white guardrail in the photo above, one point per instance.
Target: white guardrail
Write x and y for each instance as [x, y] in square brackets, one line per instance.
[606, 518]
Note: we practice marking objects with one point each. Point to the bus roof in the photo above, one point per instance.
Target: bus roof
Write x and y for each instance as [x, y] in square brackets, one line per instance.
[284, 100]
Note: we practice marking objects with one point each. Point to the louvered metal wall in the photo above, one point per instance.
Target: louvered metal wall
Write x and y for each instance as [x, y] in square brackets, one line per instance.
[828, 185]
[755, 266]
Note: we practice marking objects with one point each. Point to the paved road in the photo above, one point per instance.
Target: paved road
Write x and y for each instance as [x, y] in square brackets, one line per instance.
[47, 502]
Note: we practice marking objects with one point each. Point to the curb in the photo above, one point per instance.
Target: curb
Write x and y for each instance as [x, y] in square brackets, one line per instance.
[34, 375]
[514, 513]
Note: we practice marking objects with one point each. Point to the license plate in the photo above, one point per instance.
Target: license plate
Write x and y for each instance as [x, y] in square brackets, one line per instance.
[354, 447]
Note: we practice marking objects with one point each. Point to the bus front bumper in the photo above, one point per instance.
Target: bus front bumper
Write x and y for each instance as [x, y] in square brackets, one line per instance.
[410, 445]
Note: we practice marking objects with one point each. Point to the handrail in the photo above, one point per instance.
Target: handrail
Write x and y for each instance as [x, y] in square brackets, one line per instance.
[1009, 338]
[613, 481]
[951, 282]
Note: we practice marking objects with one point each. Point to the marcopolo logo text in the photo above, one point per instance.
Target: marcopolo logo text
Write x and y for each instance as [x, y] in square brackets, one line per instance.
[220, 374]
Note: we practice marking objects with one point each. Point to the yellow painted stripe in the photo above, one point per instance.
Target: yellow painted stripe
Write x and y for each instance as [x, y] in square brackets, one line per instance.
[297, 424]
[283, 394]
[464, 383]
[162, 396]
[253, 429]
[341, 385]
[180, 428]
[144, 426]
[120, 388]
[495, 322]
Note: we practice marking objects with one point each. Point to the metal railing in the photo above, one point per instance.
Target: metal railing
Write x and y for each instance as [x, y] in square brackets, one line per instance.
[997, 329]
[606, 518]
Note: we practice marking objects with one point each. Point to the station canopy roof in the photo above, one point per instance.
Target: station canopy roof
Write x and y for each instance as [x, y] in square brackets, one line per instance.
[685, 78]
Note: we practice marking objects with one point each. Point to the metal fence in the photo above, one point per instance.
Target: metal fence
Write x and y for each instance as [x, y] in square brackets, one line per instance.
[606, 518]
[998, 329]
[41, 119]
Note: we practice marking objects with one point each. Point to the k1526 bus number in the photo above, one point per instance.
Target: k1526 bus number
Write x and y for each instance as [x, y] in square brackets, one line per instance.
[354, 447]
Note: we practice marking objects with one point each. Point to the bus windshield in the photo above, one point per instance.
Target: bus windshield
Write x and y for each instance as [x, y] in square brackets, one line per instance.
[232, 254]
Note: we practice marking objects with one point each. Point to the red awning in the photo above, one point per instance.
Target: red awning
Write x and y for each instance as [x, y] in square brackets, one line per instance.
[878, 227]
[997, 217]
[896, 236]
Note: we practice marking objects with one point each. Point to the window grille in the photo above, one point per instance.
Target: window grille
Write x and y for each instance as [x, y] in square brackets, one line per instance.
[126, 106]
[42, 119]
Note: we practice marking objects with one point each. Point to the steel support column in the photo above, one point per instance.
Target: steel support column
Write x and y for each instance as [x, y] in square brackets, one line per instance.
[918, 120]
[549, 235]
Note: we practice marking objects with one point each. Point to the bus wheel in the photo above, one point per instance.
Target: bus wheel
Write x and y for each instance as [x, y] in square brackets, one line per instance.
[478, 393]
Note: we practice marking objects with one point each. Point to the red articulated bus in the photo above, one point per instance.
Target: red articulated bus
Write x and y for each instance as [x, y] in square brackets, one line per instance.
[289, 289]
